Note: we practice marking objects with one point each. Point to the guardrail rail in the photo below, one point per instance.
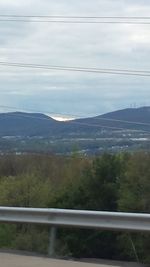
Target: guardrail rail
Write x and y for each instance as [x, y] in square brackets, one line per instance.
[119, 221]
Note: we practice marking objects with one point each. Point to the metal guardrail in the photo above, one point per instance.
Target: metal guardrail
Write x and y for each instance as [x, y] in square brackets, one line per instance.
[77, 218]
[119, 221]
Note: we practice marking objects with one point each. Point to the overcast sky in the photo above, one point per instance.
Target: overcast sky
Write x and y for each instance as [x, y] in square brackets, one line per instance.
[81, 45]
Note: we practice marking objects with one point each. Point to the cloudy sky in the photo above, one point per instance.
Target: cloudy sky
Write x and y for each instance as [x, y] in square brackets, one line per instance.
[118, 46]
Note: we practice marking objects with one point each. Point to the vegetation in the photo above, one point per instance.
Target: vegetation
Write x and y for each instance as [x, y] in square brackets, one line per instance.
[118, 182]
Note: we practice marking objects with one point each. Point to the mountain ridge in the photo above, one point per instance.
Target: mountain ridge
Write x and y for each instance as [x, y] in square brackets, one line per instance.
[38, 124]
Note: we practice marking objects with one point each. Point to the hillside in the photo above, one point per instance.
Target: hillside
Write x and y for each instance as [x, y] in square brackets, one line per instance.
[131, 118]
[36, 124]
[26, 124]
[112, 132]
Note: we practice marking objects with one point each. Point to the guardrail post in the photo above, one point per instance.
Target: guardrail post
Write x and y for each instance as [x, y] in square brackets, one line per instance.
[52, 242]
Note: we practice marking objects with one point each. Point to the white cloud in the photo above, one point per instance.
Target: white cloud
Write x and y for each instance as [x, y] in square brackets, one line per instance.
[86, 45]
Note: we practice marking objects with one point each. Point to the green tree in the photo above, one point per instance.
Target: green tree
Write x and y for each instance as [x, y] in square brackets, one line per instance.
[135, 197]
[97, 189]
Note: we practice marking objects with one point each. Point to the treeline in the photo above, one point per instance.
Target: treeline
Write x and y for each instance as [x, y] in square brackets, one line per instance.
[110, 183]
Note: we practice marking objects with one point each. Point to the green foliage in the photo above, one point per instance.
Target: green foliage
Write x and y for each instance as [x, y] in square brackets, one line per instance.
[109, 183]
[31, 238]
[24, 191]
[97, 189]
[135, 185]
[7, 235]
[32, 181]
[135, 197]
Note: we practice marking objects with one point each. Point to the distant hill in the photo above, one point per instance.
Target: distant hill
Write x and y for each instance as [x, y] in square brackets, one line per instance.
[26, 124]
[130, 118]
[36, 124]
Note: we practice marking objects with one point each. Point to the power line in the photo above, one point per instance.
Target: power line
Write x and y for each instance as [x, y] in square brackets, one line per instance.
[143, 73]
[124, 121]
[24, 116]
[35, 111]
[76, 17]
[108, 127]
[75, 22]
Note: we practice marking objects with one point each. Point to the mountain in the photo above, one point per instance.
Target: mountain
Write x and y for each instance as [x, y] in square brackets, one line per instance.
[36, 124]
[37, 133]
[130, 118]
[26, 124]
